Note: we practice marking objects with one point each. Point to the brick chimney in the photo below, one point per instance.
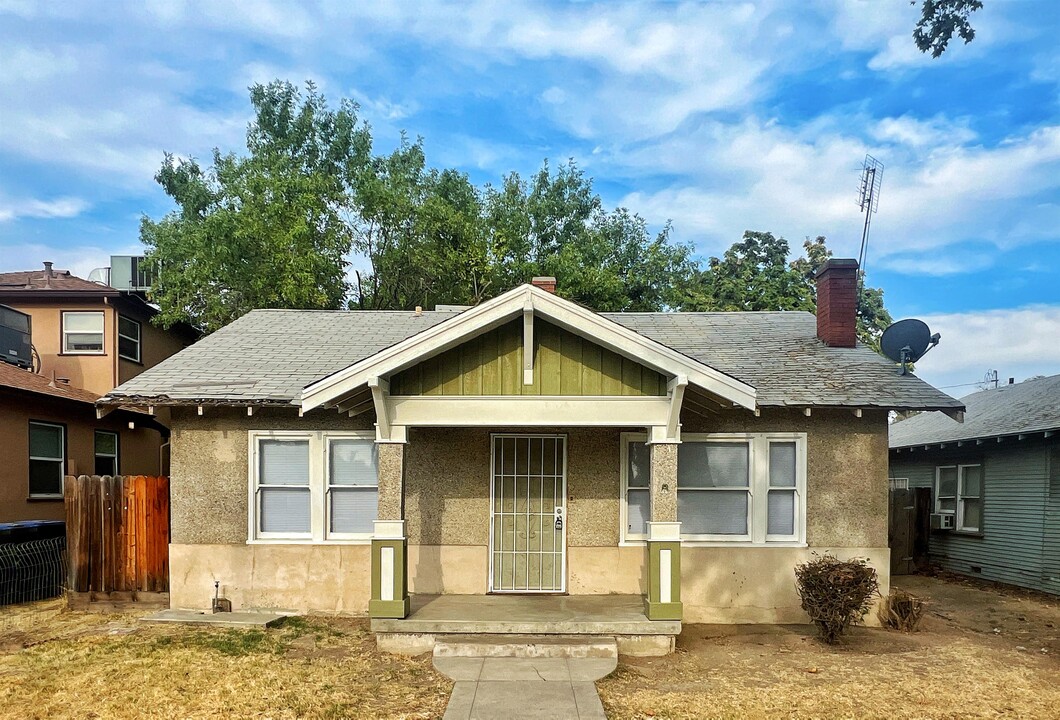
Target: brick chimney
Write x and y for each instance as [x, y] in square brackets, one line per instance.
[548, 284]
[837, 302]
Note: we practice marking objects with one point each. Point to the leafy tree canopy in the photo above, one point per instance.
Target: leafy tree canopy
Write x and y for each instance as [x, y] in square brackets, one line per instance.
[939, 20]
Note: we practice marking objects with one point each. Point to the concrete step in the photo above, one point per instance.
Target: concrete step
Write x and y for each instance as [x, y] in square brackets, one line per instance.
[526, 646]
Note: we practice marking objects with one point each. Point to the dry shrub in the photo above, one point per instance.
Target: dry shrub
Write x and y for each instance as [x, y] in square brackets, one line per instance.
[835, 594]
[901, 611]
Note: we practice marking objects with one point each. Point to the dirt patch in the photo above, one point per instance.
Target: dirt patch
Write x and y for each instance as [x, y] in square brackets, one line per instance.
[955, 667]
[113, 667]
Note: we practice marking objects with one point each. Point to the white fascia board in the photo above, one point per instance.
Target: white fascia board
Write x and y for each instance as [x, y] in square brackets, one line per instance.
[528, 411]
[495, 312]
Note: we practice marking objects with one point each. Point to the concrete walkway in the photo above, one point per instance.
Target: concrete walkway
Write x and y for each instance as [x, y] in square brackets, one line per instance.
[515, 688]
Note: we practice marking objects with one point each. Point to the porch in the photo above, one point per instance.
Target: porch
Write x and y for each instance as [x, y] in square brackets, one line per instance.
[538, 620]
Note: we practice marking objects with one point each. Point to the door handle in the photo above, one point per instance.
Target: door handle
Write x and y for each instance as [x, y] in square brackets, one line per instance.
[559, 518]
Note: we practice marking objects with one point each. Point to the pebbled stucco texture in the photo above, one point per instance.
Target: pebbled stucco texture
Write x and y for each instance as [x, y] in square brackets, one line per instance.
[663, 482]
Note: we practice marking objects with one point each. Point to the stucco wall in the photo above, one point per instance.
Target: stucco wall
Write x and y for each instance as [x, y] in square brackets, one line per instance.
[95, 373]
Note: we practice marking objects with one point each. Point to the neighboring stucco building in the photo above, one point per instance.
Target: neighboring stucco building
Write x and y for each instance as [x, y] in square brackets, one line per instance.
[338, 461]
[997, 476]
[87, 338]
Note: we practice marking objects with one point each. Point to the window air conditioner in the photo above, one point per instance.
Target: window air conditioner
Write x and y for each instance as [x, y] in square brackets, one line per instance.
[941, 521]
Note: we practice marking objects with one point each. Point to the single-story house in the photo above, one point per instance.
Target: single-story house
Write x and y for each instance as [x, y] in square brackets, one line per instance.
[995, 482]
[341, 461]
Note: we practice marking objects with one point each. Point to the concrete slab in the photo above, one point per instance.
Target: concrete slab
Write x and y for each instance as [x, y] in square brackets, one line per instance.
[590, 669]
[545, 646]
[459, 668]
[588, 701]
[461, 701]
[243, 619]
[524, 700]
[525, 669]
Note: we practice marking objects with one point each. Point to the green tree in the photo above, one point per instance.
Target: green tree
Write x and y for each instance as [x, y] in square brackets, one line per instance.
[754, 274]
[265, 230]
[555, 224]
[939, 20]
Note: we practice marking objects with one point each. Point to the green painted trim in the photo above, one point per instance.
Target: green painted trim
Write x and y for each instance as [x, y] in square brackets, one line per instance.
[564, 364]
[656, 609]
[399, 606]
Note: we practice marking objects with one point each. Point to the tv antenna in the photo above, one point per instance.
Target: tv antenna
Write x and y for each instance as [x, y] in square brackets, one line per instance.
[990, 377]
[906, 341]
[869, 200]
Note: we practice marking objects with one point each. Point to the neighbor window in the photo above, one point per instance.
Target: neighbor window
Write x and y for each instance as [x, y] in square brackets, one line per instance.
[106, 453]
[730, 487]
[742, 487]
[47, 455]
[83, 333]
[313, 486]
[959, 492]
[128, 339]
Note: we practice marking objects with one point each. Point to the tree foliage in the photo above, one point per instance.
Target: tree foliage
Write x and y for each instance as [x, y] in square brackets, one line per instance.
[311, 217]
[939, 20]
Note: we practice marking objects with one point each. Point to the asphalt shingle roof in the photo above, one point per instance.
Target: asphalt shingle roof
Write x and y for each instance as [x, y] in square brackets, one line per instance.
[270, 355]
[1031, 406]
[60, 281]
[15, 378]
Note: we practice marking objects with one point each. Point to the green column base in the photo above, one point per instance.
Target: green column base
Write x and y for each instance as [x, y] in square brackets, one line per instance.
[663, 611]
[655, 608]
[391, 609]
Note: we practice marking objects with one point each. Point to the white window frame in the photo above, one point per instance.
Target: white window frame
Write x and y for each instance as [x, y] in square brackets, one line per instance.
[319, 510]
[758, 491]
[117, 450]
[328, 439]
[958, 512]
[61, 459]
[102, 333]
[625, 537]
[139, 335]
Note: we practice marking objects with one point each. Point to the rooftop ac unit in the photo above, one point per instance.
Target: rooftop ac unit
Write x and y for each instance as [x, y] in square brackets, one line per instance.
[941, 521]
[15, 347]
[130, 272]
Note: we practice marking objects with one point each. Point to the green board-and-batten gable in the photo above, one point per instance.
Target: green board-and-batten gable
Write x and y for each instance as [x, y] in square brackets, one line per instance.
[564, 364]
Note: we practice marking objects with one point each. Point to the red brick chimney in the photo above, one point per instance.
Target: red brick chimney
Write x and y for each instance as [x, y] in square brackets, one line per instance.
[837, 302]
[548, 284]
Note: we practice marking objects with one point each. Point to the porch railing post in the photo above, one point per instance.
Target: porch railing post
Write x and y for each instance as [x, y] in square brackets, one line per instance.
[390, 594]
[664, 535]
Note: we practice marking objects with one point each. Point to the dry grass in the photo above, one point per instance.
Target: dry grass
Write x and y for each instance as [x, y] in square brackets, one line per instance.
[783, 672]
[105, 666]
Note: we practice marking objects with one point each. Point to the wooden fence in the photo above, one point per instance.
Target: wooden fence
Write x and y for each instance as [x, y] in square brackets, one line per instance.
[908, 529]
[117, 534]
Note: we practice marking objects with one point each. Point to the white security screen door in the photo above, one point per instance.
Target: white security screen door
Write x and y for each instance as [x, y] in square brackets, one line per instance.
[528, 517]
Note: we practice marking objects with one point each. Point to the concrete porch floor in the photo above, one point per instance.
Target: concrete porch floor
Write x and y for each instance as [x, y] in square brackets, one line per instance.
[433, 617]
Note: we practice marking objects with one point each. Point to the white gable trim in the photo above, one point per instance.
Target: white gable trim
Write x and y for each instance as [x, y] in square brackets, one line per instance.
[494, 313]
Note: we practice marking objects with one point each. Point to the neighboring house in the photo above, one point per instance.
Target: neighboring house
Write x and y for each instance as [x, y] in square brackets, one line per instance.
[338, 461]
[995, 479]
[49, 429]
[87, 338]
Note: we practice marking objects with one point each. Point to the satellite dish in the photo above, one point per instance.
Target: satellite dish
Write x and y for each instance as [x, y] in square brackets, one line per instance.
[906, 341]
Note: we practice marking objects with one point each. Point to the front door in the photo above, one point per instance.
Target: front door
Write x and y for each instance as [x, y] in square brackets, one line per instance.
[528, 516]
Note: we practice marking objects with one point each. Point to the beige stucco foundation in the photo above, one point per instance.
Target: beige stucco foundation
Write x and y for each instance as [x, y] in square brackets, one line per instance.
[446, 501]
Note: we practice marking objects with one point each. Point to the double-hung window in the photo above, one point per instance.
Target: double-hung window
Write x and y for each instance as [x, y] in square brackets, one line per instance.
[128, 339]
[47, 456]
[313, 486]
[106, 451]
[748, 488]
[959, 492]
[83, 333]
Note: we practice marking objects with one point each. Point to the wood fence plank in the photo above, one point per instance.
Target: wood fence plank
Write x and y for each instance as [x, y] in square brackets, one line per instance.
[143, 539]
[164, 535]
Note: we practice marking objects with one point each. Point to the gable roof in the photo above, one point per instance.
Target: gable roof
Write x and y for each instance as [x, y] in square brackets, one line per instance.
[1031, 406]
[515, 303]
[269, 356]
[14, 378]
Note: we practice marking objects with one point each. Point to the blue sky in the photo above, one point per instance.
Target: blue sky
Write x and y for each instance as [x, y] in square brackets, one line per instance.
[721, 117]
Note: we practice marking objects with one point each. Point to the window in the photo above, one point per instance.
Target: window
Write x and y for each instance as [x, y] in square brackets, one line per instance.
[128, 339]
[83, 333]
[47, 456]
[636, 473]
[106, 453]
[959, 492]
[742, 487]
[313, 486]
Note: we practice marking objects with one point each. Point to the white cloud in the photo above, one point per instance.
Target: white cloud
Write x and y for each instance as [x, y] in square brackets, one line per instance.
[63, 207]
[1017, 342]
[79, 259]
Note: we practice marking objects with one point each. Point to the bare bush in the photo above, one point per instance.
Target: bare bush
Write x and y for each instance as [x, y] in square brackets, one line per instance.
[901, 611]
[835, 594]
